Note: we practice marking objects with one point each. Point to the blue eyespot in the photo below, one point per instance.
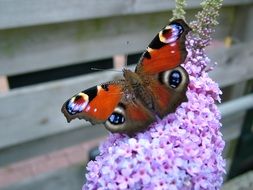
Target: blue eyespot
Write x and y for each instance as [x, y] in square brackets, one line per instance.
[178, 28]
[70, 108]
[175, 79]
[116, 118]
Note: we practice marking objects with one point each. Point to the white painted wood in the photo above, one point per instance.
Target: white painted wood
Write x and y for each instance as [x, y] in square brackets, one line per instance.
[16, 13]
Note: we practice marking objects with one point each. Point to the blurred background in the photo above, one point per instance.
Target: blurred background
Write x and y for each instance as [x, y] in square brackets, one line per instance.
[47, 50]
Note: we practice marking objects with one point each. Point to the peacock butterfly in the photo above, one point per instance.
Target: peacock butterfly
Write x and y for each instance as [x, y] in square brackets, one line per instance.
[157, 87]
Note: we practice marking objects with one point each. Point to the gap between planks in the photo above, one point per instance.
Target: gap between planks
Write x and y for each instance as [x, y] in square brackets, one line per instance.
[4, 84]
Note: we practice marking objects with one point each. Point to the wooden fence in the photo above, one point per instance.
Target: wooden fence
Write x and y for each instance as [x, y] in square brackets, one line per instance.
[38, 36]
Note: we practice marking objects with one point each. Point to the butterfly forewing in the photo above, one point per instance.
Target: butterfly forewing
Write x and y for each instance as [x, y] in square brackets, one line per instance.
[94, 104]
[166, 51]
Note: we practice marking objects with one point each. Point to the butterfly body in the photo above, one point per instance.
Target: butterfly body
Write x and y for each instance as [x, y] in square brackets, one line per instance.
[137, 86]
[156, 88]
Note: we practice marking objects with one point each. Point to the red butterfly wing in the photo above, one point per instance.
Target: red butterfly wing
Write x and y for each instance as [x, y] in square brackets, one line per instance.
[168, 96]
[166, 51]
[160, 66]
[108, 104]
[134, 117]
[94, 104]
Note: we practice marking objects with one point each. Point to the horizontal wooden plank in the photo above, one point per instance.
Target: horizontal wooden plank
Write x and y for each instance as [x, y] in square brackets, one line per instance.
[35, 112]
[233, 114]
[237, 105]
[231, 125]
[234, 64]
[242, 182]
[15, 13]
[45, 163]
[50, 143]
[29, 49]
[68, 178]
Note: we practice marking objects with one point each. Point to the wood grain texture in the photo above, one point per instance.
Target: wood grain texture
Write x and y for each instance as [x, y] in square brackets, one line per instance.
[50, 143]
[16, 13]
[35, 112]
[234, 64]
[30, 49]
[44, 47]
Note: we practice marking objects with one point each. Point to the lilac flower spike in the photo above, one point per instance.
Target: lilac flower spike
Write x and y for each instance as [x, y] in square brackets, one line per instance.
[181, 152]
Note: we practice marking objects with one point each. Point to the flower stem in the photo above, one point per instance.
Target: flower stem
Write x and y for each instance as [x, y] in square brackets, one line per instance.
[179, 11]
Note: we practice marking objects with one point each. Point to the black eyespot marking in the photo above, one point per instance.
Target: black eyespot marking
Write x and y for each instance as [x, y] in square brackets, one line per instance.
[175, 79]
[123, 106]
[147, 55]
[160, 78]
[91, 92]
[116, 118]
[77, 97]
[156, 43]
[105, 87]
[166, 32]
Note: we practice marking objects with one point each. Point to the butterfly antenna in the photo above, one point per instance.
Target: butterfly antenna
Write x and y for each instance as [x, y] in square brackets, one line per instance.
[97, 69]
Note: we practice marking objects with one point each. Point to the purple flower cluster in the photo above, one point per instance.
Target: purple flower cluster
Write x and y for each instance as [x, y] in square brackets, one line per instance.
[182, 151]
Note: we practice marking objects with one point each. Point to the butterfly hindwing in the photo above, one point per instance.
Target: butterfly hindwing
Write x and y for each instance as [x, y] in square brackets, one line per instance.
[169, 90]
[129, 116]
